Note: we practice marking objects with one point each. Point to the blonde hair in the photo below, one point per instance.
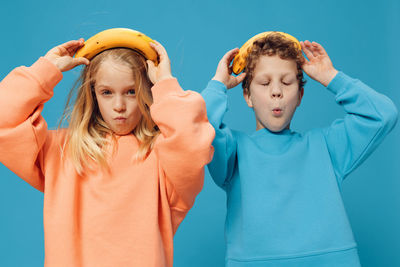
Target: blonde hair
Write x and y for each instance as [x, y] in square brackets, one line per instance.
[87, 131]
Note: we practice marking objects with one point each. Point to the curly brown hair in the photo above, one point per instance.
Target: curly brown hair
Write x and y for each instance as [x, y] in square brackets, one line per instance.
[271, 45]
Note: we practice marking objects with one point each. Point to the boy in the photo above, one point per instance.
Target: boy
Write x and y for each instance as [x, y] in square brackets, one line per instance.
[284, 206]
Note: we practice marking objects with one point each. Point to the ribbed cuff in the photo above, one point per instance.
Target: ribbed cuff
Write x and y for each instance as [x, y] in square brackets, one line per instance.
[217, 86]
[339, 82]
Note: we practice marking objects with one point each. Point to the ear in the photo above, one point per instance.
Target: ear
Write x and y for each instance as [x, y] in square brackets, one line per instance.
[300, 96]
[248, 98]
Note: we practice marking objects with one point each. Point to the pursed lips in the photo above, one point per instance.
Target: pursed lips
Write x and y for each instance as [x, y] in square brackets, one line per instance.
[277, 111]
[120, 119]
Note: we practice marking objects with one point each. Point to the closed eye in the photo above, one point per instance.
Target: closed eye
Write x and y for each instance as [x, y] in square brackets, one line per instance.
[287, 82]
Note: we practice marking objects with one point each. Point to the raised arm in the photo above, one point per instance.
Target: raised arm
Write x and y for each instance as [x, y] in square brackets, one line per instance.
[184, 145]
[215, 95]
[370, 116]
[23, 92]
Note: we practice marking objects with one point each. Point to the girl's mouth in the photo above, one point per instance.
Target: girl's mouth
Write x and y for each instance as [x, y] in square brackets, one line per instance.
[120, 119]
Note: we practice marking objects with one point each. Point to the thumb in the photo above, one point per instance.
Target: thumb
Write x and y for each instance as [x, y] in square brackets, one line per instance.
[150, 65]
[81, 61]
[151, 71]
[241, 77]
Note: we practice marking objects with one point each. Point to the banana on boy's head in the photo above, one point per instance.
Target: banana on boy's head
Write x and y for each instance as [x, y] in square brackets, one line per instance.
[274, 43]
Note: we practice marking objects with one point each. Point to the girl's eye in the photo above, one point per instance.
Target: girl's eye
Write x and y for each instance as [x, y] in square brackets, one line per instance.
[287, 83]
[131, 92]
[265, 83]
[106, 92]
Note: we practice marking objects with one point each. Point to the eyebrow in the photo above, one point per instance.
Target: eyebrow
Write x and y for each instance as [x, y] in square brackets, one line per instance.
[284, 74]
[105, 85]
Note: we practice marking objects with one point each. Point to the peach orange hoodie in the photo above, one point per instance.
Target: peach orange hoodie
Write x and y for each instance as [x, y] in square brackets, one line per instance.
[125, 217]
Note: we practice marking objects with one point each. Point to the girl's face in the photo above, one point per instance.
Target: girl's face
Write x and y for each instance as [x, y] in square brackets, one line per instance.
[115, 94]
[274, 93]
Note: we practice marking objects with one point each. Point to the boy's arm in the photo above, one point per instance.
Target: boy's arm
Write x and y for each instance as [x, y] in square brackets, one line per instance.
[370, 115]
[222, 165]
[23, 130]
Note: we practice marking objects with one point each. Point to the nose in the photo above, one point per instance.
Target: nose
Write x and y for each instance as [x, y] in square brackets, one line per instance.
[119, 104]
[276, 91]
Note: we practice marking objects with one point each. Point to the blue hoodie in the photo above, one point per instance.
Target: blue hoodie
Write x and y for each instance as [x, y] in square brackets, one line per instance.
[284, 204]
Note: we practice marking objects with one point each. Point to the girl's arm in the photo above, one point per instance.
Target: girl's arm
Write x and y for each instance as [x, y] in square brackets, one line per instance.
[184, 145]
[23, 131]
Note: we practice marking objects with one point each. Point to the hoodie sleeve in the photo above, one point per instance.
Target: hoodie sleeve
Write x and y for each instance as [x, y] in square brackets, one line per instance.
[222, 166]
[23, 130]
[370, 116]
[184, 145]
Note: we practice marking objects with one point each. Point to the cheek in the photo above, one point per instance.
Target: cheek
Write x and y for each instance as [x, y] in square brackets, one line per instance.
[103, 107]
[293, 103]
[260, 98]
[134, 110]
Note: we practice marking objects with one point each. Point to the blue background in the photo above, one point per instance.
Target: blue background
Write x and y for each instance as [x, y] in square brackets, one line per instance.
[361, 37]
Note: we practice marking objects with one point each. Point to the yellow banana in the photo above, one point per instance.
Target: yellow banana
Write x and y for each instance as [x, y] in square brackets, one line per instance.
[118, 37]
[239, 62]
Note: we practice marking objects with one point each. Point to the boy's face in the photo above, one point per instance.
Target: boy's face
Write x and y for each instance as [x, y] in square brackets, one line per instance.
[274, 92]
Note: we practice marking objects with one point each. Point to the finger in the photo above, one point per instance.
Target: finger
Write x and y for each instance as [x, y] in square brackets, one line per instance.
[307, 51]
[150, 70]
[81, 61]
[150, 65]
[306, 64]
[240, 78]
[73, 43]
[72, 50]
[160, 46]
[227, 58]
[319, 48]
[70, 47]
[311, 49]
[161, 51]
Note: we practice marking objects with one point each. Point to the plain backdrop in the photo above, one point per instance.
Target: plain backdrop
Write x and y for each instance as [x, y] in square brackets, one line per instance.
[361, 37]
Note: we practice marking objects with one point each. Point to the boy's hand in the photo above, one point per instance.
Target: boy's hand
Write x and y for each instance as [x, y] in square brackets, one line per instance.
[318, 66]
[163, 69]
[62, 55]
[224, 71]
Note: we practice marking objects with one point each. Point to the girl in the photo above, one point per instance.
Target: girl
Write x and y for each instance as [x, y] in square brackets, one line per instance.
[120, 179]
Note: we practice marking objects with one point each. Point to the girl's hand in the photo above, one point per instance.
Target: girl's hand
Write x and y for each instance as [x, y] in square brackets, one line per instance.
[62, 55]
[318, 66]
[163, 69]
[223, 73]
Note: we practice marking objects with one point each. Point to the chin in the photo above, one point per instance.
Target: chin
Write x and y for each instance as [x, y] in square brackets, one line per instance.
[121, 131]
[275, 128]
